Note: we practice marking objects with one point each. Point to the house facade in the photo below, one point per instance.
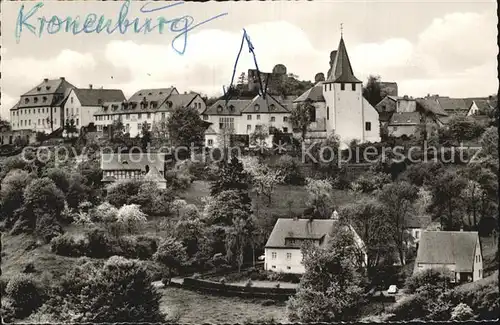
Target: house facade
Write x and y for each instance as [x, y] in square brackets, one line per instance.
[138, 166]
[340, 106]
[82, 104]
[146, 106]
[41, 108]
[283, 248]
[457, 251]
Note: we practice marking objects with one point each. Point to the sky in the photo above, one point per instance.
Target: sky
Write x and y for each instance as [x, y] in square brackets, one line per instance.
[438, 47]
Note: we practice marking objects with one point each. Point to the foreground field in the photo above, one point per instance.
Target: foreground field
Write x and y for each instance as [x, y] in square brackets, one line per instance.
[195, 308]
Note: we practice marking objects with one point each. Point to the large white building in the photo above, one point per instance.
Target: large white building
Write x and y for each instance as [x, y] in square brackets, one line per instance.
[41, 108]
[145, 106]
[82, 104]
[244, 117]
[340, 106]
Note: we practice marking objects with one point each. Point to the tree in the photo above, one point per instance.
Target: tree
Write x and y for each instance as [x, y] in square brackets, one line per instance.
[330, 289]
[171, 254]
[238, 236]
[263, 178]
[300, 117]
[290, 169]
[11, 193]
[117, 129]
[146, 136]
[369, 219]
[259, 136]
[60, 177]
[372, 91]
[121, 291]
[320, 196]
[43, 196]
[242, 79]
[230, 176]
[225, 207]
[131, 218]
[160, 130]
[398, 200]
[186, 127]
[120, 192]
[370, 182]
[448, 201]
[489, 143]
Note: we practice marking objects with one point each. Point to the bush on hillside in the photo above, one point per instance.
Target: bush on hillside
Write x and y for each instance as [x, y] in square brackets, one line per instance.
[178, 181]
[140, 247]
[430, 277]
[461, 312]
[290, 168]
[26, 294]
[66, 245]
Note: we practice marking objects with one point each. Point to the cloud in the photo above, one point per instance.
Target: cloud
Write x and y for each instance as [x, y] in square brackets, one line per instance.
[210, 56]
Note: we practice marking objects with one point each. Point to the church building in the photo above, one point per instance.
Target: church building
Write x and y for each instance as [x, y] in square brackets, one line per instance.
[340, 107]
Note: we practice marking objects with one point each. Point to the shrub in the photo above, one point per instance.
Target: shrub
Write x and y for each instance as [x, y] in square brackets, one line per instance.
[177, 181]
[66, 245]
[268, 302]
[7, 310]
[47, 227]
[26, 294]
[461, 312]
[249, 283]
[3, 285]
[290, 168]
[99, 243]
[141, 247]
[429, 277]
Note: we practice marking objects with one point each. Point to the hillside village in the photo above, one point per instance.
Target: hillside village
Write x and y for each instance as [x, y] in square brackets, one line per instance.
[100, 224]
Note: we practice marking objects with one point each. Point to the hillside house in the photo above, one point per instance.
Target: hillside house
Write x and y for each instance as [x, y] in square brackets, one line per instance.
[283, 248]
[138, 166]
[458, 251]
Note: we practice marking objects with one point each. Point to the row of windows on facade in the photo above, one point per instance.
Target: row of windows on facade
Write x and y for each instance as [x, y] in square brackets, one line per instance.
[127, 116]
[249, 118]
[143, 104]
[127, 126]
[274, 255]
[256, 107]
[121, 174]
[35, 99]
[27, 111]
[342, 86]
[28, 122]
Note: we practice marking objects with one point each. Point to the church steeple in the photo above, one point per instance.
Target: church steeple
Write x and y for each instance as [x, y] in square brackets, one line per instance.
[341, 70]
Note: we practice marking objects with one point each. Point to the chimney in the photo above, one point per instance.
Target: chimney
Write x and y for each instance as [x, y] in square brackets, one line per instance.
[90, 86]
[46, 80]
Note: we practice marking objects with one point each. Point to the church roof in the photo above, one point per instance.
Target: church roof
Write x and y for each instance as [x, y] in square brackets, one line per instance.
[314, 94]
[342, 69]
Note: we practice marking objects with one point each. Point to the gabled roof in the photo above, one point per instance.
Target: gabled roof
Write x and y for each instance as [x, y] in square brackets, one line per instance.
[154, 175]
[405, 118]
[448, 247]
[96, 97]
[261, 105]
[299, 228]
[453, 104]
[177, 100]
[315, 94]
[210, 131]
[483, 104]
[431, 105]
[132, 161]
[153, 95]
[233, 107]
[342, 69]
[51, 92]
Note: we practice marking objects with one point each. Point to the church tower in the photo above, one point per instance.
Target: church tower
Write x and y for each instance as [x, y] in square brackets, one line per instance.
[343, 98]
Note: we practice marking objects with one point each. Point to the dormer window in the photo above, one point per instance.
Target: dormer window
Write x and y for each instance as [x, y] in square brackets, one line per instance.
[99, 101]
[219, 108]
[257, 107]
[161, 93]
[44, 99]
[154, 104]
[26, 100]
[231, 108]
[47, 87]
[38, 88]
[150, 94]
[35, 99]
[271, 107]
[115, 107]
[105, 107]
[169, 104]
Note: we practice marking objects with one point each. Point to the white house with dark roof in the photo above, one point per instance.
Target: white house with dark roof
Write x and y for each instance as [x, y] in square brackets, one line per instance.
[82, 104]
[283, 248]
[246, 116]
[139, 166]
[479, 106]
[145, 106]
[458, 251]
[340, 105]
[41, 108]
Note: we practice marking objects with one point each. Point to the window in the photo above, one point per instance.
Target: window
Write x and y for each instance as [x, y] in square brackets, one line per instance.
[139, 116]
[273, 255]
[288, 256]
[274, 266]
[273, 119]
[71, 100]
[330, 87]
[257, 107]
[417, 233]
[285, 119]
[288, 268]
[342, 86]
[78, 121]
[67, 111]
[420, 265]
[149, 115]
[226, 122]
[353, 87]
[77, 110]
[44, 99]
[480, 273]
[163, 115]
[285, 130]
[368, 126]
[258, 116]
[26, 100]
[210, 142]
[249, 117]
[312, 113]
[327, 113]
[36, 99]
[249, 127]
[127, 116]
[325, 87]
[205, 117]
[38, 121]
[271, 107]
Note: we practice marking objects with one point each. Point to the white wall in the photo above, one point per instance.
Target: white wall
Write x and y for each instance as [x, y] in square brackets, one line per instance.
[83, 116]
[370, 115]
[478, 263]
[31, 116]
[400, 130]
[473, 110]
[281, 263]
